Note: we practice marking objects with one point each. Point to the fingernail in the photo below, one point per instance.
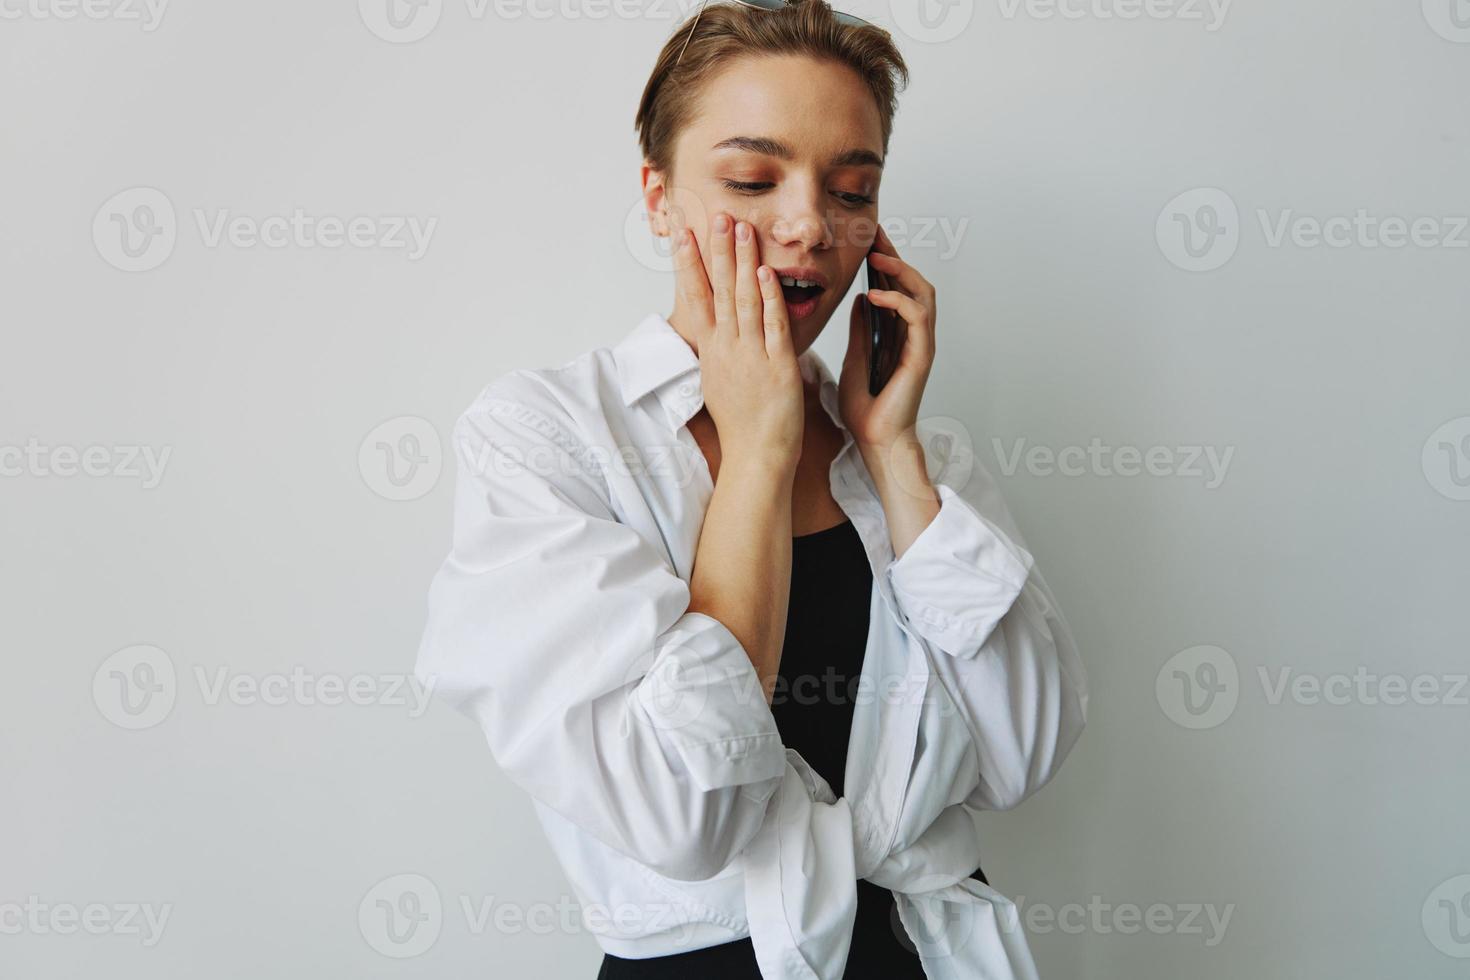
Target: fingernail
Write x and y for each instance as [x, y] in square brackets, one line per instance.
[722, 223]
[764, 272]
[742, 231]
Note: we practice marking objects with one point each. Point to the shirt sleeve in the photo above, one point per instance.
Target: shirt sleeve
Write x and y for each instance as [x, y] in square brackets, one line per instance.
[1008, 661]
[568, 637]
[959, 576]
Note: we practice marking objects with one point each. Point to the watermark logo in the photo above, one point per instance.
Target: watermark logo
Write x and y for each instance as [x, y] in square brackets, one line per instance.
[401, 458]
[1199, 230]
[939, 236]
[136, 687]
[1103, 918]
[932, 21]
[1209, 12]
[406, 21]
[404, 915]
[35, 917]
[949, 455]
[130, 462]
[400, 21]
[303, 230]
[1208, 464]
[309, 689]
[1362, 687]
[671, 690]
[1198, 687]
[484, 914]
[1362, 229]
[670, 687]
[1450, 19]
[401, 916]
[1446, 459]
[135, 230]
[673, 461]
[651, 250]
[942, 929]
[148, 14]
[1446, 917]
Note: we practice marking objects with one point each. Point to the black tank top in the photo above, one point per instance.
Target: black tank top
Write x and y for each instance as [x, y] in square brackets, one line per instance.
[813, 703]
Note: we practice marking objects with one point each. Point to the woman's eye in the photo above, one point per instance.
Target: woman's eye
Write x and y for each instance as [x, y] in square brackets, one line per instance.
[747, 187]
[756, 186]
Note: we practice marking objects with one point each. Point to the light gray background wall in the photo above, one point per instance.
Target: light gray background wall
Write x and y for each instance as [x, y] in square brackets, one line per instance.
[271, 549]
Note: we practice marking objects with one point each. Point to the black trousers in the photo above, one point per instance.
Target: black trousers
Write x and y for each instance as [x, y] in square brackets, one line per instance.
[881, 950]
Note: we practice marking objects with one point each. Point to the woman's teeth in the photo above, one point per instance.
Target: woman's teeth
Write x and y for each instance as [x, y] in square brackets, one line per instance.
[801, 301]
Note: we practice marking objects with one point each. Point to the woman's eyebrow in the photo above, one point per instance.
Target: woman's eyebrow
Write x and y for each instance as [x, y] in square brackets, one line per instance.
[767, 146]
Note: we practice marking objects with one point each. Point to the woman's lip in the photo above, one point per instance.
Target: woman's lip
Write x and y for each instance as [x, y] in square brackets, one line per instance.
[804, 272]
[798, 311]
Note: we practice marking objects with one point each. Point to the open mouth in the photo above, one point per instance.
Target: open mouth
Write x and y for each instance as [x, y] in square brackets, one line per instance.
[801, 295]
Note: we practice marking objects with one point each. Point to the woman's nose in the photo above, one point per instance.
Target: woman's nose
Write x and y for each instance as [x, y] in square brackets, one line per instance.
[801, 224]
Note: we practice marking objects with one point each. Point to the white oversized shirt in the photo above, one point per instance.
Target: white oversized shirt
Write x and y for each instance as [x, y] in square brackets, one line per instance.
[560, 623]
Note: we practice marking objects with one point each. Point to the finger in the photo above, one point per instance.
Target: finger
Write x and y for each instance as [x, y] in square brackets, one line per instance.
[903, 275]
[777, 328]
[918, 334]
[883, 244]
[749, 304]
[691, 282]
[722, 271]
[915, 316]
[857, 334]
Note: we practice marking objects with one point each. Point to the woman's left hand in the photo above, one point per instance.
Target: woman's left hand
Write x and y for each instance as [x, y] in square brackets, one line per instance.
[881, 422]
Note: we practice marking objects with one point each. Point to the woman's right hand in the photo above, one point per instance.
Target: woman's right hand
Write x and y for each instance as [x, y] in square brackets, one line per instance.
[747, 363]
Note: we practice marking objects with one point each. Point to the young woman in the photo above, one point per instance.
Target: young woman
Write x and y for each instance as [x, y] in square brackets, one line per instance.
[757, 670]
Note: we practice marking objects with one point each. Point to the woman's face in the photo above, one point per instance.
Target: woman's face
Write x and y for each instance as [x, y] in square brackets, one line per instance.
[794, 146]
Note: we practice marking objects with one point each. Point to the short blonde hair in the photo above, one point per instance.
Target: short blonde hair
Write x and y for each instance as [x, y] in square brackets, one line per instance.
[723, 31]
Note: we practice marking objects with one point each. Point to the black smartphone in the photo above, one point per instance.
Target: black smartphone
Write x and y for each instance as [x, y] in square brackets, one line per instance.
[885, 333]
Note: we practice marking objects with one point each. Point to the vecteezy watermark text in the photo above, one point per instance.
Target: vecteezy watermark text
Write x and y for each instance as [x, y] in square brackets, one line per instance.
[936, 236]
[303, 230]
[406, 21]
[1207, 463]
[1201, 229]
[39, 918]
[128, 462]
[147, 13]
[138, 686]
[1201, 686]
[1102, 918]
[1209, 12]
[403, 915]
[137, 229]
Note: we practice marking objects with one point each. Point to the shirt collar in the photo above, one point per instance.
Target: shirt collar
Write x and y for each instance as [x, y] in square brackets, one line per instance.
[652, 357]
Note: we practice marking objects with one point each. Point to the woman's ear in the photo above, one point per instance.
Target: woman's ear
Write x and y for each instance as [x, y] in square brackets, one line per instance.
[655, 200]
